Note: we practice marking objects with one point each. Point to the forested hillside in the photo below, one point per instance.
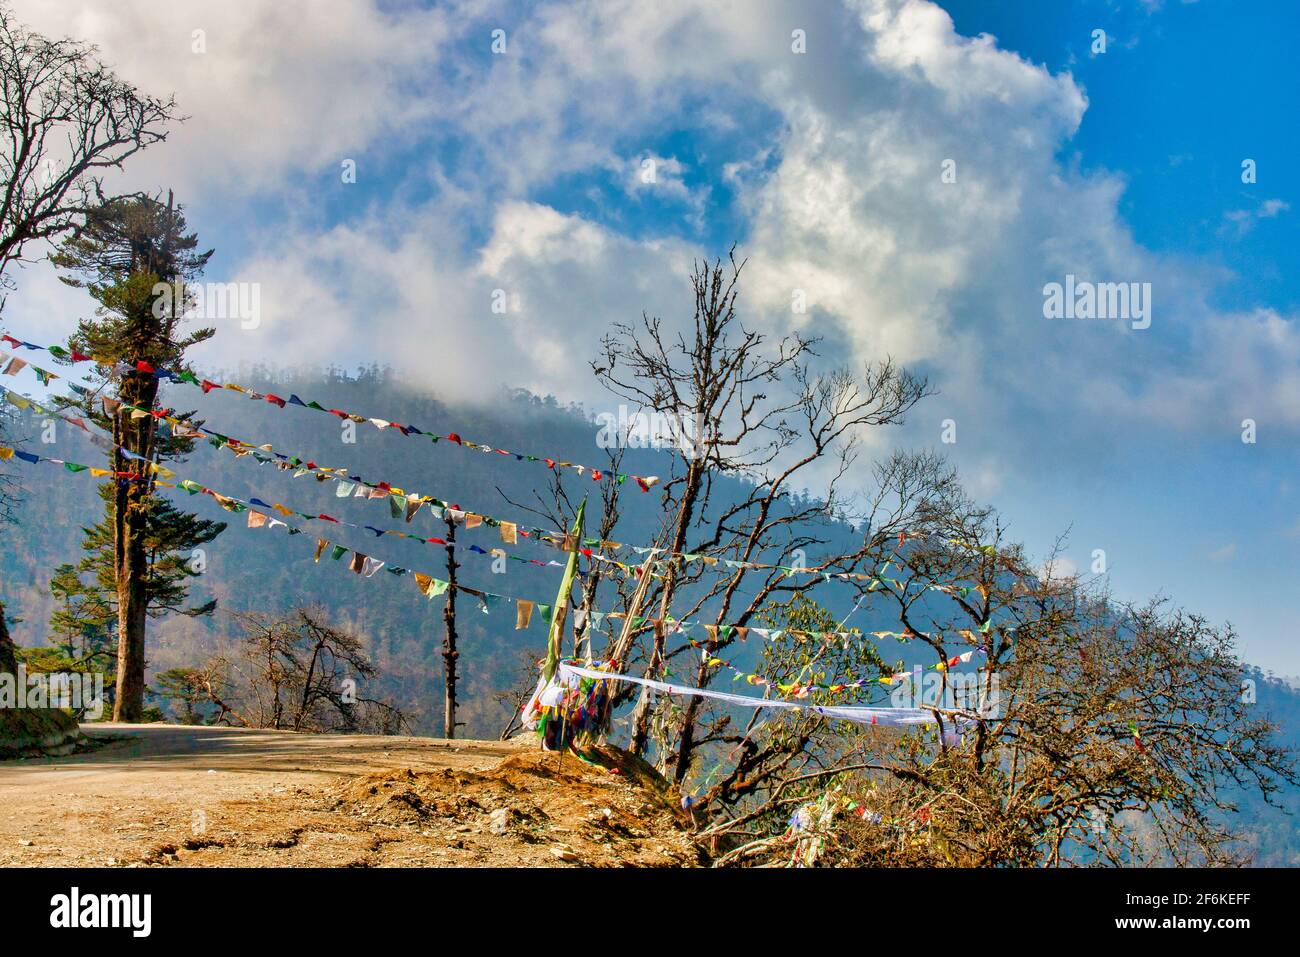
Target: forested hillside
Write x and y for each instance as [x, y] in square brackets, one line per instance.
[265, 570]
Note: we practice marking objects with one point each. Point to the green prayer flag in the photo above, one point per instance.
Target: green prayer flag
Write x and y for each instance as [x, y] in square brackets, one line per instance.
[562, 598]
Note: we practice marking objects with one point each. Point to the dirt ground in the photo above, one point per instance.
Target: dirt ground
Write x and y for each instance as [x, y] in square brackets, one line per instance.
[167, 795]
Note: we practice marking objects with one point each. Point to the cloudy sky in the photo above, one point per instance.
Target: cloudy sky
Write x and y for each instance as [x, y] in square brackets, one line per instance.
[917, 171]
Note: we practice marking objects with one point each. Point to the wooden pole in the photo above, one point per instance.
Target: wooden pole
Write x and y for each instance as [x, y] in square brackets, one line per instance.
[449, 652]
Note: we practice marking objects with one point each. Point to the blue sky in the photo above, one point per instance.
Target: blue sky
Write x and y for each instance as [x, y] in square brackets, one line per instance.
[521, 171]
[1184, 92]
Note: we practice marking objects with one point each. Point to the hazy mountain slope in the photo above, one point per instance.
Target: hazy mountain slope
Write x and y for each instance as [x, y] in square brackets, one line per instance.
[267, 570]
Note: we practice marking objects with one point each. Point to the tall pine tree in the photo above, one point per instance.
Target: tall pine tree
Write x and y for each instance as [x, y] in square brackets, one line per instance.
[135, 258]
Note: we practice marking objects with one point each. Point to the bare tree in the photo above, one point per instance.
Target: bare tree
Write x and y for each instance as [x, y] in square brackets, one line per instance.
[293, 672]
[753, 411]
[1092, 732]
[556, 507]
[67, 119]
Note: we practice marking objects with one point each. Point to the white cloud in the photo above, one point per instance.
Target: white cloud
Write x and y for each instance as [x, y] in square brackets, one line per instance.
[283, 89]
[845, 200]
[1059, 568]
[1224, 553]
[1239, 222]
[404, 291]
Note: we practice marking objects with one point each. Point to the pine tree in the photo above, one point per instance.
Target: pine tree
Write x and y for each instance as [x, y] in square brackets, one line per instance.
[135, 259]
[68, 118]
[83, 623]
[87, 617]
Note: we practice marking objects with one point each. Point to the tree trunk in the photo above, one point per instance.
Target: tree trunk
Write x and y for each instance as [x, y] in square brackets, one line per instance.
[687, 743]
[132, 603]
[132, 563]
[641, 713]
[449, 652]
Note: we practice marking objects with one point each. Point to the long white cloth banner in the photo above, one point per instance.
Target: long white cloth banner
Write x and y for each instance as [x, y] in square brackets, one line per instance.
[890, 717]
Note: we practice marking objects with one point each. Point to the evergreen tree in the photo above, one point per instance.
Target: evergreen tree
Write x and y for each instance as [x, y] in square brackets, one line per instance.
[67, 118]
[86, 619]
[82, 625]
[135, 258]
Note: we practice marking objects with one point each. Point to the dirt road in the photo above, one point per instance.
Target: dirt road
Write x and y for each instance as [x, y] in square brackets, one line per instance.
[158, 795]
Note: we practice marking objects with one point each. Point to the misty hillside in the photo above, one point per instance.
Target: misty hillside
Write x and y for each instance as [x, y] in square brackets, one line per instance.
[267, 570]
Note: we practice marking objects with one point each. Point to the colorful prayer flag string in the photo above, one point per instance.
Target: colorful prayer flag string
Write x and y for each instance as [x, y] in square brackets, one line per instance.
[234, 504]
[644, 482]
